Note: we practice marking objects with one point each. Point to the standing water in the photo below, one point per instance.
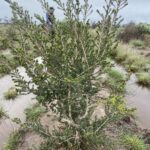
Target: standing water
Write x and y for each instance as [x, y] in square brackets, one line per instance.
[14, 108]
[139, 97]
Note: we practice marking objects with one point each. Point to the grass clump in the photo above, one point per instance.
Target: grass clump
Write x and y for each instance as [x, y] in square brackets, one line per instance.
[116, 80]
[144, 78]
[133, 142]
[11, 94]
[14, 140]
[117, 75]
[33, 113]
[137, 43]
[2, 112]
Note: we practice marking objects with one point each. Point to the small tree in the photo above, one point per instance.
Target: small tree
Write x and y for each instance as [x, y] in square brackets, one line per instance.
[69, 59]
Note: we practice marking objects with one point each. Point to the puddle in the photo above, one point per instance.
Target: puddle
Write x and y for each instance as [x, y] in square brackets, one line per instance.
[139, 97]
[14, 108]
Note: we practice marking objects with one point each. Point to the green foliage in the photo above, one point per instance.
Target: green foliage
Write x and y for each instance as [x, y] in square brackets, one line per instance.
[14, 140]
[33, 113]
[70, 55]
[144, 78]
[117, 106]
[11, 93]
[133, 142]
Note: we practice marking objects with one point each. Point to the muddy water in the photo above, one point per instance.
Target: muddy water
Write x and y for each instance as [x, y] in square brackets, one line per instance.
[14, 108]
[139, 98]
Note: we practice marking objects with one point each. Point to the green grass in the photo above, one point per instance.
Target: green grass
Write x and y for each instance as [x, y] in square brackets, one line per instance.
[33, 113]
[144, 78]
[11, 94]
[133, 142]
[14, 140]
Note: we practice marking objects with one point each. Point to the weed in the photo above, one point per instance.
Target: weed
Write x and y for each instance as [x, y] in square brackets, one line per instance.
[133, 142]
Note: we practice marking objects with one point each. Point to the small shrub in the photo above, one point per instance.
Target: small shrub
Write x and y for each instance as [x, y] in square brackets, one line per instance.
[144, 78]
[139, 63]
[14, 140]
[132, 142]
[131, 31]
[33, 113]
[11, 93]
[121, 53]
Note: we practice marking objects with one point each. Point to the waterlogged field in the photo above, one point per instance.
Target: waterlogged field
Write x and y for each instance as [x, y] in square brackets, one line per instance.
[71, 88]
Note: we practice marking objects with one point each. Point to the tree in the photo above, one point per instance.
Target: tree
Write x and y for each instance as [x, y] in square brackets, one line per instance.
[69, 59]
